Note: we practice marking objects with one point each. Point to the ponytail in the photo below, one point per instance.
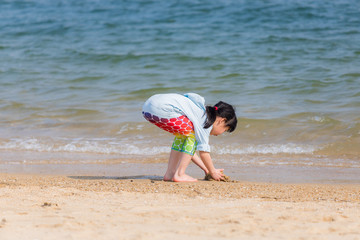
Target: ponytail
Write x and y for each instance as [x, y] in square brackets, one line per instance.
[210, 116]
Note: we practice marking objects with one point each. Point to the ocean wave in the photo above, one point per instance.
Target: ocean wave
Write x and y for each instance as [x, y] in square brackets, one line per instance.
[289, 148]
[112, 146]
[96, 146]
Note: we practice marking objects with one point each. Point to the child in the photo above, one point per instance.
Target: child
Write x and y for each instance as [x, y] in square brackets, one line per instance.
[192, 123]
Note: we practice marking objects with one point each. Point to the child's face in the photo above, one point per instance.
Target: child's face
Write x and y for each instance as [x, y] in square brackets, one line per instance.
[219, 126]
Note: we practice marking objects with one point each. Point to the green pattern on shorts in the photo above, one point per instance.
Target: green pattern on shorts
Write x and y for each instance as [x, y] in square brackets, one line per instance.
[185, 144]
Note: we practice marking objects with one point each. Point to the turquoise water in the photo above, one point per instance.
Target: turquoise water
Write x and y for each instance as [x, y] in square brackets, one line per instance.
[74, 75]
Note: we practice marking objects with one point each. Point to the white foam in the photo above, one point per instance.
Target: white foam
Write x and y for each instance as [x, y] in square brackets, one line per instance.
[100, 146]
[289, 148]
[125, 147]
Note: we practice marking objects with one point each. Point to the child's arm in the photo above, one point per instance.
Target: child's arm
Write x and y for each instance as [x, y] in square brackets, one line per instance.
[200, 163]
[215, 173]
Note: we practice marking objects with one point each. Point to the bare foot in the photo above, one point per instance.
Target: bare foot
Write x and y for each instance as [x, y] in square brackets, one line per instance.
[184, 178]
[168, 177]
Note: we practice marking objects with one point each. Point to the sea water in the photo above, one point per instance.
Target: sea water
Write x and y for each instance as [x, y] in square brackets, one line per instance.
[74, 76]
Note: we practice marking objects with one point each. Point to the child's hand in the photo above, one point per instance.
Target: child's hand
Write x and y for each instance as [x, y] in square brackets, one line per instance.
[218, 174]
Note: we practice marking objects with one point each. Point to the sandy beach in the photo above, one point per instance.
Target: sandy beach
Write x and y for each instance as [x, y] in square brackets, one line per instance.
[78, 160]
[90, 207]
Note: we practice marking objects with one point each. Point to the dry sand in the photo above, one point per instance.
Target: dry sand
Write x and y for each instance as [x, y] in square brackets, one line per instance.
[62, 207]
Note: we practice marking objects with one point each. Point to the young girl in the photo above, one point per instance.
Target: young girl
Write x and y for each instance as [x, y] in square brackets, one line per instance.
[192, 123]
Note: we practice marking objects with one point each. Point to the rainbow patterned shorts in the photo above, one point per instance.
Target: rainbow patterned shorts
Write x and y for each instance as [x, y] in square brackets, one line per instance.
[181, 127]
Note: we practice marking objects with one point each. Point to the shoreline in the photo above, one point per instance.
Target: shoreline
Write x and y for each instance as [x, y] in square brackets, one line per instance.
[287, 174]
[154, 184]
[79, 207]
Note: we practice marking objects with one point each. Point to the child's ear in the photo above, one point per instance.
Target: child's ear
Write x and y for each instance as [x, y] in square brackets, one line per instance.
[220, 120]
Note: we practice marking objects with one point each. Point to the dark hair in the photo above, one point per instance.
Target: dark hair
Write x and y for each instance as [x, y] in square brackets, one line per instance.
[223, 110]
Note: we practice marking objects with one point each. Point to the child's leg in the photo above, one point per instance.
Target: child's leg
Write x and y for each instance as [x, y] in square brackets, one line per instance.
[182, 151]
[172, 164]
[180, 175]
[174, 158]
[177, 165]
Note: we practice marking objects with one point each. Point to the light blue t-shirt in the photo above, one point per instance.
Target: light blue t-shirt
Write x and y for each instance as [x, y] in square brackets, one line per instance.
[191, 105]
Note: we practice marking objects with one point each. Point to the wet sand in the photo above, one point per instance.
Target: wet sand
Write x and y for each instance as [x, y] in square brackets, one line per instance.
[240, 172]
[92, 207]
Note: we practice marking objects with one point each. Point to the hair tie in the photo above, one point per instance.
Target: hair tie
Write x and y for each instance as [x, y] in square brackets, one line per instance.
[216, 108]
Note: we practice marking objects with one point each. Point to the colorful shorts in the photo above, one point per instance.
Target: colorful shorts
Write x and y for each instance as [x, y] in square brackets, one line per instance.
[181, 127]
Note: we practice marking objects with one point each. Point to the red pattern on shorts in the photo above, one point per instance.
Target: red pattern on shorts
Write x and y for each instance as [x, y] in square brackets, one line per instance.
[180, 125]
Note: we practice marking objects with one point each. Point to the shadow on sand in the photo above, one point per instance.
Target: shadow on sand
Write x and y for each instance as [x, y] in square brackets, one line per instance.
[149, 177]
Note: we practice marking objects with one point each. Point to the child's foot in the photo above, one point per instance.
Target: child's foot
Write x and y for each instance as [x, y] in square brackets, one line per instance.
[168, 177]
[184, 178]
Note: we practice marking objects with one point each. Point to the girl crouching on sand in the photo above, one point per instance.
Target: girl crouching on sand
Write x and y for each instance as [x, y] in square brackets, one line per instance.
[192, 123]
